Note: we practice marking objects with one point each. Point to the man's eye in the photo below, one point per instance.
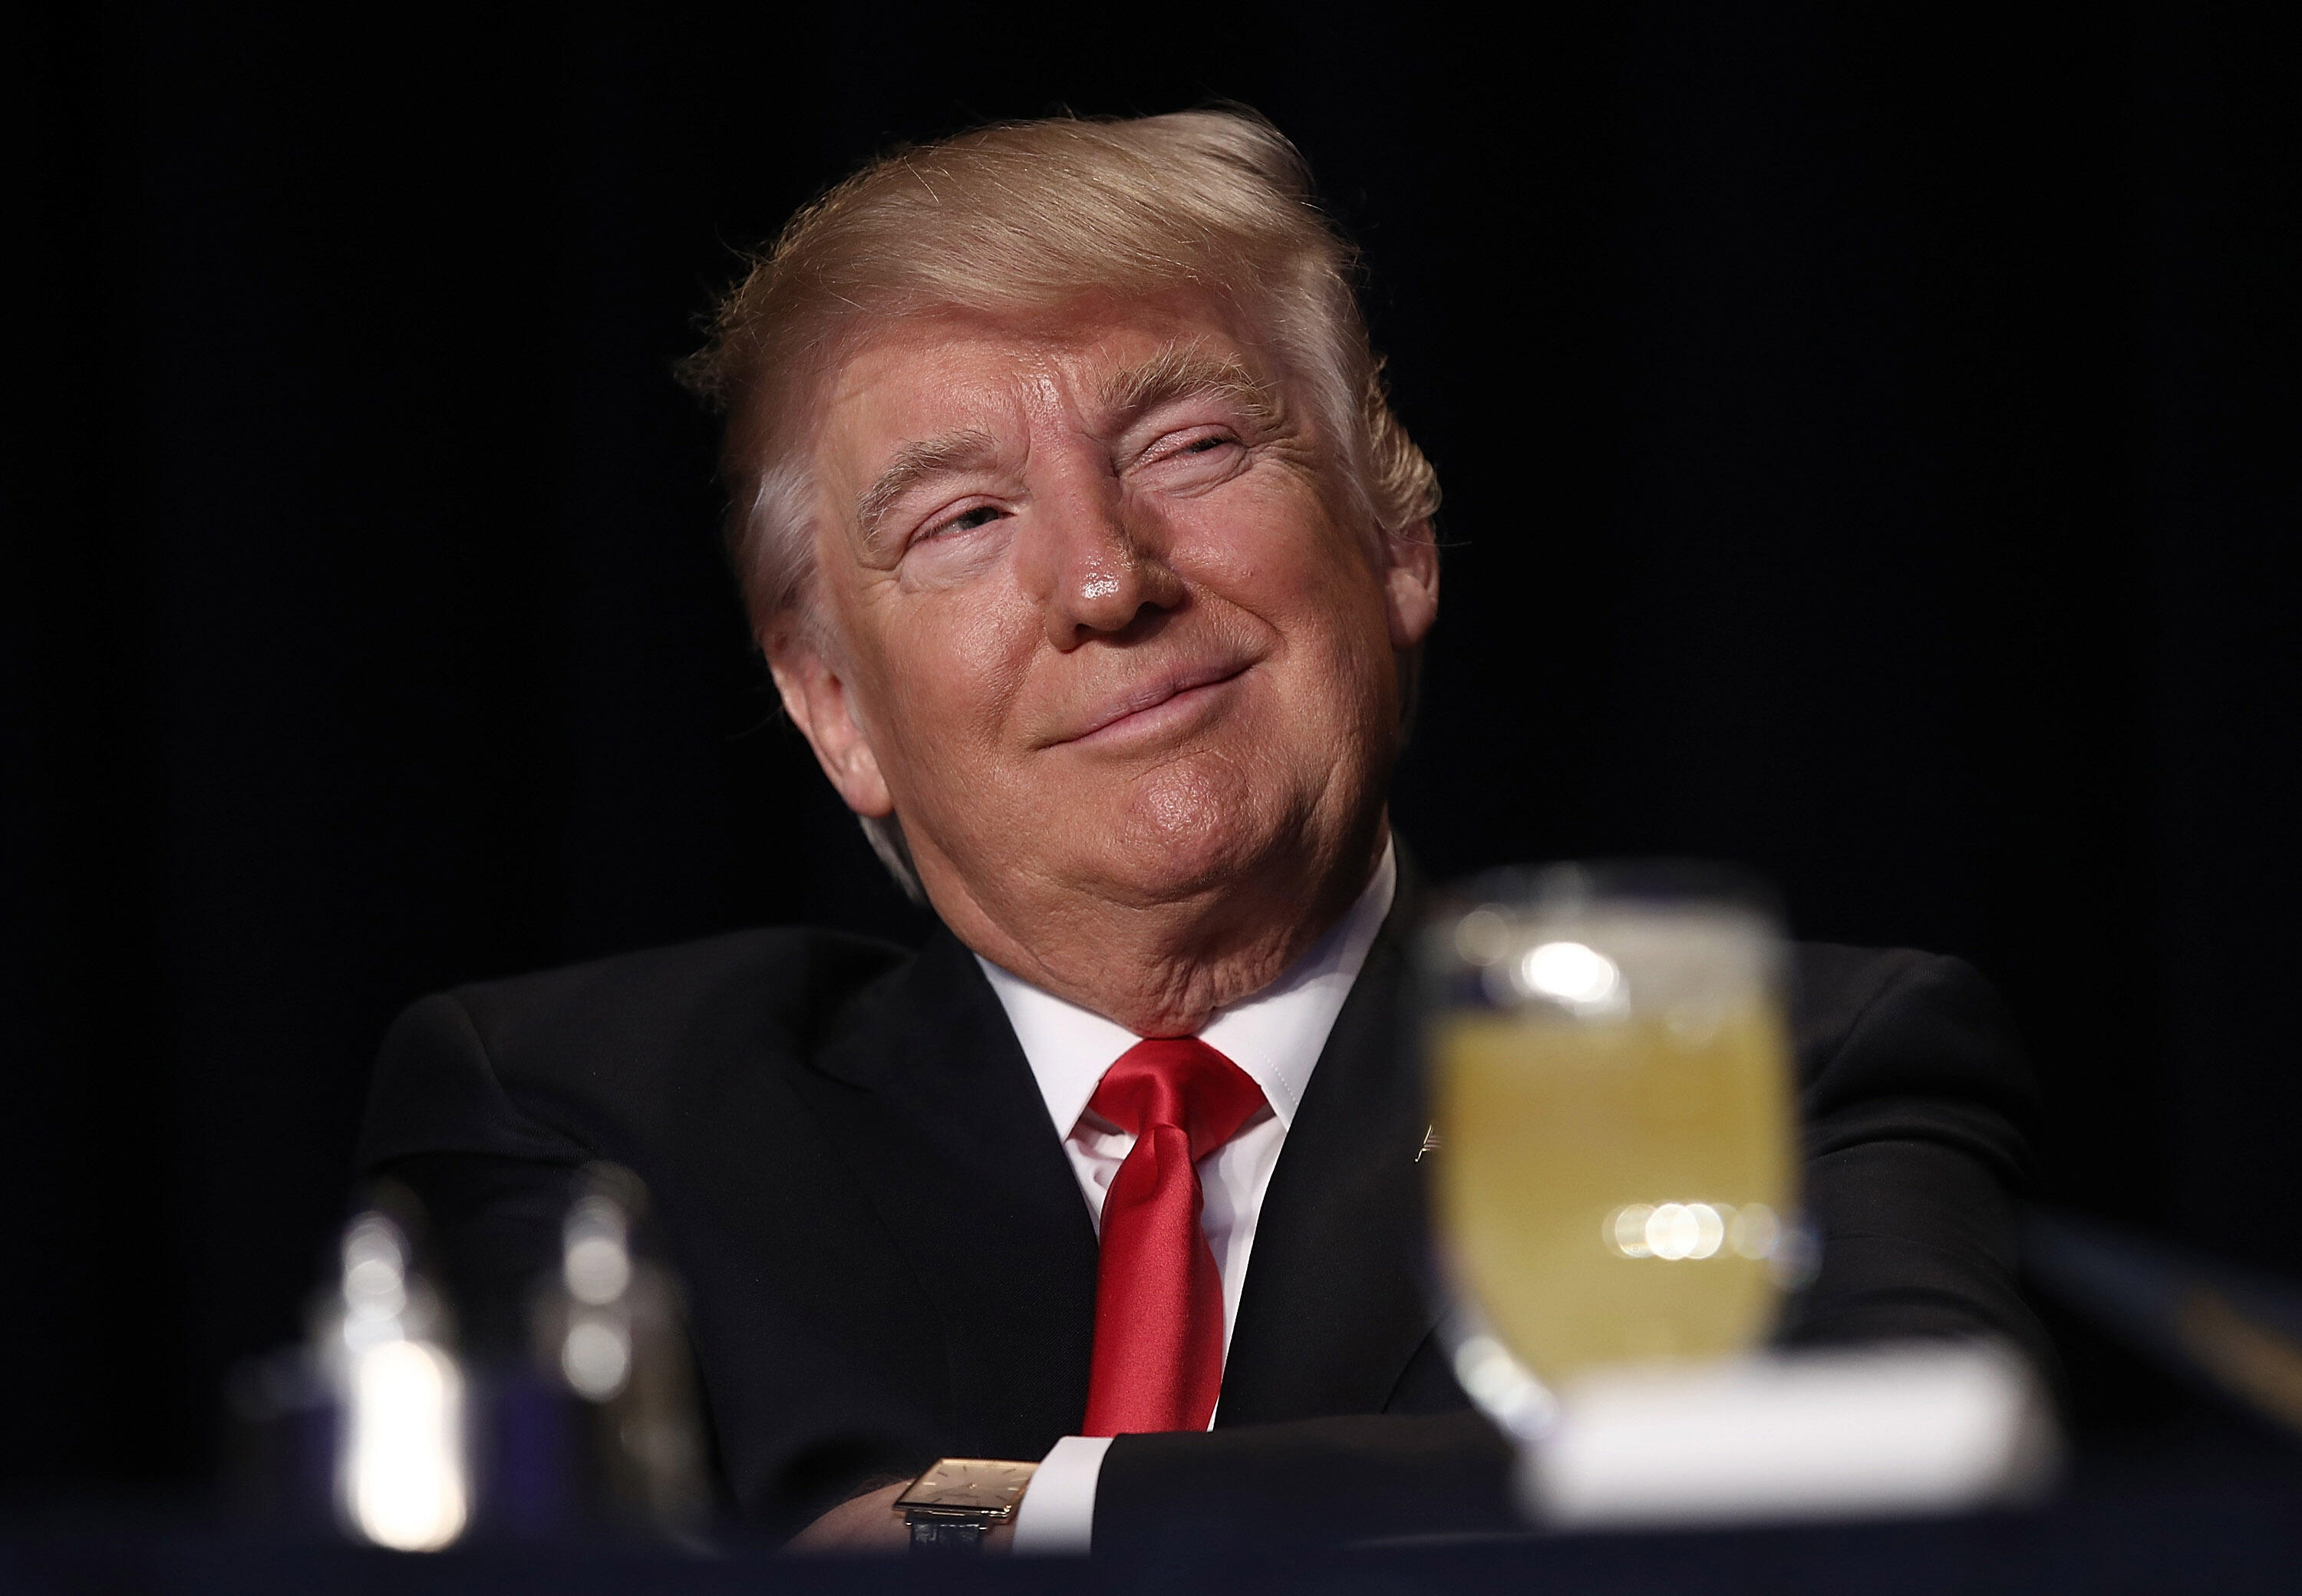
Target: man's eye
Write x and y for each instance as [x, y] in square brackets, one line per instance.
[1194, 447]
[982, 515]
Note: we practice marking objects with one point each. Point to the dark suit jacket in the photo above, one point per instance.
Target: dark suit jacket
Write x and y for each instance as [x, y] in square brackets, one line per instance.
[887, 1258]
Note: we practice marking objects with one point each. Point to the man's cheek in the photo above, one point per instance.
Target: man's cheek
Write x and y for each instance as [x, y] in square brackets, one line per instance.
[956, 669]
[1275, 544]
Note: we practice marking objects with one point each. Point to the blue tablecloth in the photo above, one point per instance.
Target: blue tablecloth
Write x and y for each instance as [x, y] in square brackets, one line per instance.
[2222, 1523]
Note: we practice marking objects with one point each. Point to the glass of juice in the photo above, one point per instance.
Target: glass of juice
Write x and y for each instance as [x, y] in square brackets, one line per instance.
[1614, 1169]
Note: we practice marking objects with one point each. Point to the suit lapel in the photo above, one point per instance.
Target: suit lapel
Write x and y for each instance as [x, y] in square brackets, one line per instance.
[1335, 1304]
[928, 1096]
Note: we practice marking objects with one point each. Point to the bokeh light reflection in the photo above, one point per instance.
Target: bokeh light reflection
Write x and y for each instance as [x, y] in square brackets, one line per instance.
[1678, 1232]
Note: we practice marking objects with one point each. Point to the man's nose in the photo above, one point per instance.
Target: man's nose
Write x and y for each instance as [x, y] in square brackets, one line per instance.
[1102, 569]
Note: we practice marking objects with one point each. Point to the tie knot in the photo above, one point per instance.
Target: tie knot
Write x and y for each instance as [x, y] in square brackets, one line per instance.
[1179, 1081]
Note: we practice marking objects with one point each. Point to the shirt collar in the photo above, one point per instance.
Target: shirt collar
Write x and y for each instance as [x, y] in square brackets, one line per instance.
[1275, 1037]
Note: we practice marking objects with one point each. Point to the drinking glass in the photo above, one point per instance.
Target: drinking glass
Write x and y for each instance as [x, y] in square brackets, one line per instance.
[1614, 1174]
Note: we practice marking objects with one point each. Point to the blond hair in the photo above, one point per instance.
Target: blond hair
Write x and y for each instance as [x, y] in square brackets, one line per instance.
[1027, 216]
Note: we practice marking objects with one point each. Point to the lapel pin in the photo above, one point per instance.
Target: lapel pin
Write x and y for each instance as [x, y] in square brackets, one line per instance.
[1430, 1142]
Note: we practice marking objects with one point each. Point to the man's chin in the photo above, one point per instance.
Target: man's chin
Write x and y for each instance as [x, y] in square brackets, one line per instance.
[1180, 852]
[1193, 828]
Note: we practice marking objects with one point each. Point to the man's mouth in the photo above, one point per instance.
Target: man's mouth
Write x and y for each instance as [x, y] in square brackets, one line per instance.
[1153, 705]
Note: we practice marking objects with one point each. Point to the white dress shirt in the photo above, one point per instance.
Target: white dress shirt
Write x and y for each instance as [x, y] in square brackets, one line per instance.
[1276, 1038]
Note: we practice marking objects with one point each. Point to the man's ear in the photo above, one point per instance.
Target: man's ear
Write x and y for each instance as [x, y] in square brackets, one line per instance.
[1410, 583]
[818, 699]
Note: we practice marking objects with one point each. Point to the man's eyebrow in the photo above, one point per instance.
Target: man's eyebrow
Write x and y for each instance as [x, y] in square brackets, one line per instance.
[1181, 370]
[913, 464]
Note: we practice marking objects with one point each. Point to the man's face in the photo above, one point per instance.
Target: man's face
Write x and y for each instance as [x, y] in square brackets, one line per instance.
[1095, 621]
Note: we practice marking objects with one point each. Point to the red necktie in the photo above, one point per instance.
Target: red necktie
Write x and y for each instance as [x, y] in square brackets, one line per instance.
[1158, 1300]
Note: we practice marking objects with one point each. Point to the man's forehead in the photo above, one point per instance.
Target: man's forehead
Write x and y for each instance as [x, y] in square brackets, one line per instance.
[1090, 356]
[913, 372]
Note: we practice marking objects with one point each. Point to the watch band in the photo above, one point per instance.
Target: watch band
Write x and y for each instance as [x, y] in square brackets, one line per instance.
[947, 1535]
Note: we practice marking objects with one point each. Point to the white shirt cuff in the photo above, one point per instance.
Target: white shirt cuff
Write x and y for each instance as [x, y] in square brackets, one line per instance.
[1056, 1516]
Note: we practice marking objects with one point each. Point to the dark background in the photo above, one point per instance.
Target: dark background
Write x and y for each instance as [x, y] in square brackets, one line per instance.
[1869, 442]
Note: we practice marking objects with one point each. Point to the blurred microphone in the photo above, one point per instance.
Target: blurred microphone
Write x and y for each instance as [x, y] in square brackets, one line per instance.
[403, 1473]
[611, 1327]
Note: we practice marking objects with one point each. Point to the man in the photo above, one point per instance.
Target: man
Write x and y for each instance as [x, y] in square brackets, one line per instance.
[1089, 559]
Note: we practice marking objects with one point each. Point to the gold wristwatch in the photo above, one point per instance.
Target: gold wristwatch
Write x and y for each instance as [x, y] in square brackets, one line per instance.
[951, 1506]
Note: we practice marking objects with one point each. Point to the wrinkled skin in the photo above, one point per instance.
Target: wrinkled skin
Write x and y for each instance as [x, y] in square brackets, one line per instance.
[1092, 617]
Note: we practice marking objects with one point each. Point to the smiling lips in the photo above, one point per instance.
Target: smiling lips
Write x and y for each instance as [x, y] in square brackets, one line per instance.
[1150, 705]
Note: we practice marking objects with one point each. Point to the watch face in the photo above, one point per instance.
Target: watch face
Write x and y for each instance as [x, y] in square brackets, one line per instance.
[970, 1485]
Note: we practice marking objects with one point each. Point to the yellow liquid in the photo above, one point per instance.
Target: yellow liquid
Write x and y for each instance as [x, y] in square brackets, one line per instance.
[1558, 1141]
